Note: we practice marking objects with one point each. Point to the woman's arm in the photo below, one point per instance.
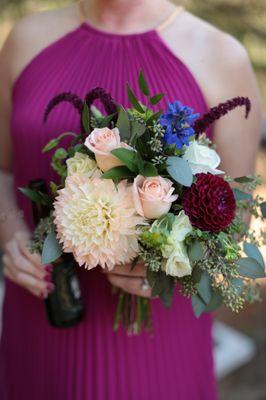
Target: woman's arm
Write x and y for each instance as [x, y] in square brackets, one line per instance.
[237, 139]
[20, 266]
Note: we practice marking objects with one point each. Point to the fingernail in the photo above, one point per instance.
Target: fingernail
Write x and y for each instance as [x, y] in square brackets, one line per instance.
[48, 278]
[50, 287]
[49, 268]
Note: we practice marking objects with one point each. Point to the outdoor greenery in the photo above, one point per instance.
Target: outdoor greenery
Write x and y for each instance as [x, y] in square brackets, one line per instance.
[245, 19]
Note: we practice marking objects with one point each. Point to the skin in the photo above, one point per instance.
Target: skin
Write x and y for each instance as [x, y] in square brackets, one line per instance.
[219, 63]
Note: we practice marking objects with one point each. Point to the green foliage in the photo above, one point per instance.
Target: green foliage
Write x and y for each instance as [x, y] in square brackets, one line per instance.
[180, 171]
[52, 249]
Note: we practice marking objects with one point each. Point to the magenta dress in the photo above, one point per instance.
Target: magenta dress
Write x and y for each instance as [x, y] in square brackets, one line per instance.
[90, 361]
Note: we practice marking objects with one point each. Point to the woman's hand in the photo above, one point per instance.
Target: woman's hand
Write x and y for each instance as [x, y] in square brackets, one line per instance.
[131, 281]
[25, 269]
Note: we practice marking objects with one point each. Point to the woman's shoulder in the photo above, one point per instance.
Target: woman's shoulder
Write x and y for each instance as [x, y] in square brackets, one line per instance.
[218, 61]
[32, 33]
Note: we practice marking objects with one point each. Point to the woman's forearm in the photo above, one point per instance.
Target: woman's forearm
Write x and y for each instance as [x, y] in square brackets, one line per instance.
[11, 217]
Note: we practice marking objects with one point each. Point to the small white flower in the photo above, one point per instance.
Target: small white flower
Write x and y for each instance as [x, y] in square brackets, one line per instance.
[202, 159]
[177, 261]
[81, 164]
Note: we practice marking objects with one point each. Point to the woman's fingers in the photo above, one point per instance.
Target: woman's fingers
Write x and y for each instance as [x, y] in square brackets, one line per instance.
[37, 287]
[23, 264]
[23, 241]
[131, 285]
[140, 270]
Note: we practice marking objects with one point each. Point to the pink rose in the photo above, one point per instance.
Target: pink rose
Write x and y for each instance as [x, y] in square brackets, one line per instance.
[101, 142]
[153, 197]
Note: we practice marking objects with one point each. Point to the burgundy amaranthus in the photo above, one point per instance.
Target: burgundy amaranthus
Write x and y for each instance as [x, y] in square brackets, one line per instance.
[219, 111]
[108, 102]
[210, 203]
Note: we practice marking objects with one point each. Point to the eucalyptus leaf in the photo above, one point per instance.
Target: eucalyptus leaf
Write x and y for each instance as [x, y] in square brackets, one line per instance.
[195, 251]
[180, 171]
[250, 268]
[196, 274]
[118, 173]
[238, 284]
[134, 101]
[252, 251]
[143, 84]
[205, 287]
[156, 99]
[52, 249]
[263, 209]
[215, 302]
[240, 195]
[123, 124]
[198, 305]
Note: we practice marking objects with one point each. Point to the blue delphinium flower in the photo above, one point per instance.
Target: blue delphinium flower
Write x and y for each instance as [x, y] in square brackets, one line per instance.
[178, 121]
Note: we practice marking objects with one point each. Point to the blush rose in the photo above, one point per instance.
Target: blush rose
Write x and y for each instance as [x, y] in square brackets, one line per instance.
[153, 196]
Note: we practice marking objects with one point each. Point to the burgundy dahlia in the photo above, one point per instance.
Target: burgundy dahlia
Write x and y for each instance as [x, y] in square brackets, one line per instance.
[210, 203]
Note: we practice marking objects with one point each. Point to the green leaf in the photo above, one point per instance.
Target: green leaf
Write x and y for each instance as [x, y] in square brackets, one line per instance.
[198, 305]
[86, 118]
[143, 84]
[123, 124]
[60, 154]
[240, 195]
[263, 209]
[52, 249]
[154, 117]
[196, 274]
[129, 157]
[195, 251]
[238, 284]
[106, 120]
[156, 99]
[133, 100]
[33, 195]
[50, 145]
[205, 287]
[138, 129]
[180, 171]
[149, 170]
[252, 251]
[37, 196]
[167, 293]
[250, 268]
[215, 302]
[244, 179]
[118, 173]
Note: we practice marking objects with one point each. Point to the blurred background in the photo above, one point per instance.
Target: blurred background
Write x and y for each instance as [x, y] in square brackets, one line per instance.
[240, 341]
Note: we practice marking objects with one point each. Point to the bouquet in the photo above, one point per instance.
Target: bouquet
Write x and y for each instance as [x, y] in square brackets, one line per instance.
[145, 184]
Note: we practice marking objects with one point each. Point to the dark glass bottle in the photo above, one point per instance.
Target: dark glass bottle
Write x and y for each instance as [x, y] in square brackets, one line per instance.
[64, 305]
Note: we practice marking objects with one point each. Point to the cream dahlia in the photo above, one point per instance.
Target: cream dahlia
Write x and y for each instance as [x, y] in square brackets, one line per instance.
[97, 222]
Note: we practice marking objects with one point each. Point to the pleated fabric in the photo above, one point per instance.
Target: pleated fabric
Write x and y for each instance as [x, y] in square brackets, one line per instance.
[90, 361]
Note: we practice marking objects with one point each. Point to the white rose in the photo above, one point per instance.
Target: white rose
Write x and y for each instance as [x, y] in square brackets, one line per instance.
[81, 164]
[177, 264]
[177, 261]
[202, 159]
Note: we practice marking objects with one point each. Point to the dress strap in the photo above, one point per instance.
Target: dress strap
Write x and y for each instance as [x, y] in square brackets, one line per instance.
[81, 10]
[168, 21]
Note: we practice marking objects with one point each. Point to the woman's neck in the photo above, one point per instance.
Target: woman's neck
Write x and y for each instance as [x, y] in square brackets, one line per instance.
[126, 16]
